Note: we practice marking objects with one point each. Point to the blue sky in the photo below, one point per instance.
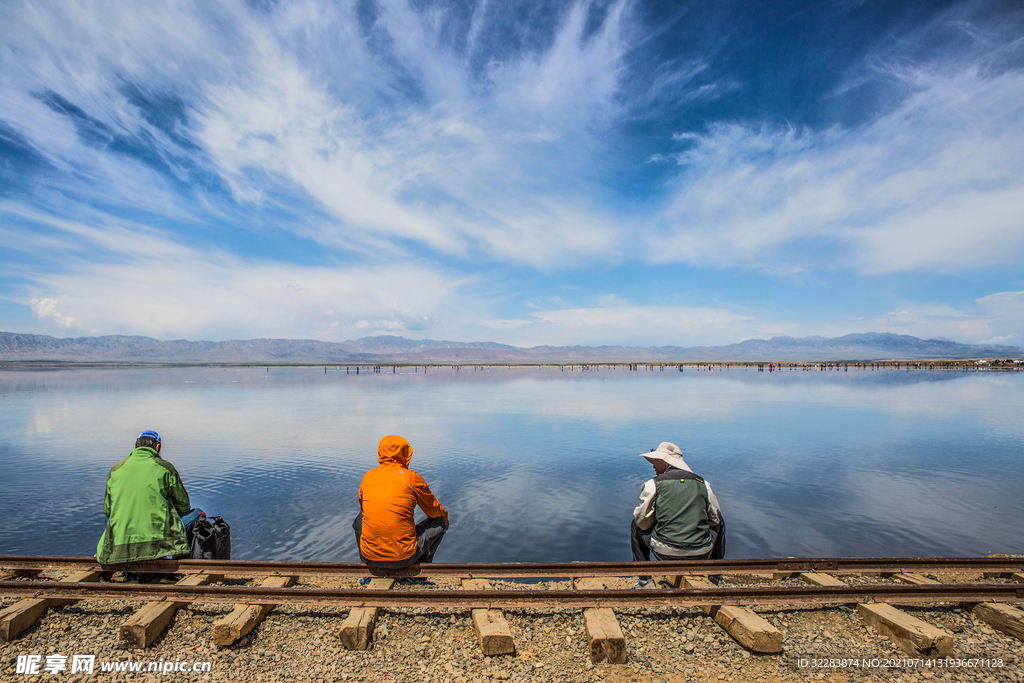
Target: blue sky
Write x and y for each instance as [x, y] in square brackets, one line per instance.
[524, 172]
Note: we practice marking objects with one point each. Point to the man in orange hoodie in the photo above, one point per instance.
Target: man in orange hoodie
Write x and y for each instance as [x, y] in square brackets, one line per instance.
[385, 529]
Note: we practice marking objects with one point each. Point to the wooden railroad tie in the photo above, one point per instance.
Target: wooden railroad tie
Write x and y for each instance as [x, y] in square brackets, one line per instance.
[605, 641]
[143, 627]
[1014, 574]
[244, 618]
[748, 628]
[1005, 618]
[9, 574]
[914, 578]
[912, 635]
[22, 614]
[357, 630]
[491, 628]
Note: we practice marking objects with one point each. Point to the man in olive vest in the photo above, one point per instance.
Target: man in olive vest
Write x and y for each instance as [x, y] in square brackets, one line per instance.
[678, 517]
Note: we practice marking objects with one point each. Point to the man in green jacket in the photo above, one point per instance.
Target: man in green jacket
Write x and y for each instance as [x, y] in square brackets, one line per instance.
[144, 505]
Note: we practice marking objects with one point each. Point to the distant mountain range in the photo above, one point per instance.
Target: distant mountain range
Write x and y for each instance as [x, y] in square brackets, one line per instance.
[392, 349]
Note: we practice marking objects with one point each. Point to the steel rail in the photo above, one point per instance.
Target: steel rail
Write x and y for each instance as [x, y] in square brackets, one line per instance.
[843, 565]
[338, 597]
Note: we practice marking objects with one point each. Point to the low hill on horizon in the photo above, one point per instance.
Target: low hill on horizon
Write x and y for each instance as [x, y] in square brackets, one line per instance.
[394, 349]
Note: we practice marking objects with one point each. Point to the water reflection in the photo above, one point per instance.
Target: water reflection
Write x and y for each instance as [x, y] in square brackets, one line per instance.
[534, 464]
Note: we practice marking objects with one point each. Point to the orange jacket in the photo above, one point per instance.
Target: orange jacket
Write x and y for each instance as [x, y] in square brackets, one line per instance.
[388, 496]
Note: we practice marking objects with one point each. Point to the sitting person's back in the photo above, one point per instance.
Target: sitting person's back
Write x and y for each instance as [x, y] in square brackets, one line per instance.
[678, 517]
[144, 502]
[388, 496]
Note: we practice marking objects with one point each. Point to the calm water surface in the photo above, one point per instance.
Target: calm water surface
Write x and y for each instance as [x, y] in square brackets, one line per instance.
[533, 464]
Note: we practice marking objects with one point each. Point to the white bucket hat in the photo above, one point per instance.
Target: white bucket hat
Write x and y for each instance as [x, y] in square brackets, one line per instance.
[668, 453]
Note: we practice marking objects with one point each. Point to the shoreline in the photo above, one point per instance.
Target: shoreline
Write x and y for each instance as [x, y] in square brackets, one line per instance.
[958, 364]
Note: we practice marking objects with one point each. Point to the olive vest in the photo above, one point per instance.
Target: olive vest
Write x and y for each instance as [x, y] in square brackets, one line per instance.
[681, 510]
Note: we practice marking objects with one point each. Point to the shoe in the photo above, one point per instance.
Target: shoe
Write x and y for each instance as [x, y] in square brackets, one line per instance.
[148, 577]
[365, 581]
[642, 583]
[414, 581]
[169, 578]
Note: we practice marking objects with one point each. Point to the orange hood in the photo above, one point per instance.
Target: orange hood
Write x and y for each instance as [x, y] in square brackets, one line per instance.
[394, 449]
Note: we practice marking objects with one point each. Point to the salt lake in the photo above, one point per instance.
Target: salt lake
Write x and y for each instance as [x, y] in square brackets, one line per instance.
[534, 464]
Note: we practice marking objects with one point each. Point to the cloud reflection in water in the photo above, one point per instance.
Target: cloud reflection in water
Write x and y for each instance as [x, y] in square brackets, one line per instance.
[535, 465]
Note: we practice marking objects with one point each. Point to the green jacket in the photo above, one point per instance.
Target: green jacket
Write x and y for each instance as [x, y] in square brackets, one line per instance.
[143, 504]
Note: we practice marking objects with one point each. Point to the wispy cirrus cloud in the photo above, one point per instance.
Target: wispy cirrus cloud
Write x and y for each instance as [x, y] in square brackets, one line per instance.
[936, 185]
[152, 285]
[393, 138]
[362, 148]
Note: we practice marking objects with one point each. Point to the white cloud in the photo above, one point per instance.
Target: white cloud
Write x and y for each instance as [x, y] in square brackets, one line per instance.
[152, 285]
[635, 326]
[394, 147]
[294, 105]
[376, 144]
[215, 298]
[1006, 311]
[46, 310]
[936, 185]
[997, 319]
[933, 321]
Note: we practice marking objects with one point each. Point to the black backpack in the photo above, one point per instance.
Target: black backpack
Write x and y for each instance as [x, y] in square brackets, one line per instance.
[211, 539]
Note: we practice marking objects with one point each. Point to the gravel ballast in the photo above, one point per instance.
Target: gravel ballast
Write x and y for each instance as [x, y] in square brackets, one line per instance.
[667, 645]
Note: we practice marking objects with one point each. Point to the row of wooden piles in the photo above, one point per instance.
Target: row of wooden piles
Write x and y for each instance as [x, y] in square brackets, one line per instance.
[606, 642]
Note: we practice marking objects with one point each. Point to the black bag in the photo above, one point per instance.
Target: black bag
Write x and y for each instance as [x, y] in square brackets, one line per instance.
[211, 539]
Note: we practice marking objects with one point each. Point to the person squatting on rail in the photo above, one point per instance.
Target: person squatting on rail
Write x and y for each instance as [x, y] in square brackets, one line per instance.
[147, 508]
[388, 495]
[678, 517]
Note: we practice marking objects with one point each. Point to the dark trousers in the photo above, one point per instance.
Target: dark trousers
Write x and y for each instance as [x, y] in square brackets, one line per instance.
[189, 520]
[640, 540]
[429, 533]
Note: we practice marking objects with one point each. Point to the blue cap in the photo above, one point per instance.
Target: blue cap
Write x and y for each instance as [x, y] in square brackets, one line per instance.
[151, 434]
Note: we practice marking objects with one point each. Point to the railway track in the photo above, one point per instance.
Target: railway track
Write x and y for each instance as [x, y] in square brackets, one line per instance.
[835, 565]
[467, 599]
[593, 592]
